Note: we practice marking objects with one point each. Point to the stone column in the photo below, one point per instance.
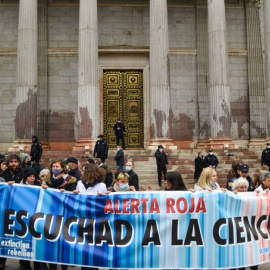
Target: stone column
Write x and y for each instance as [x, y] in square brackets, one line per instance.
[159, 73]
[266, 8]
[257, 94]
[88, 88]
[202, 69]
[27, 78]
[219, 91]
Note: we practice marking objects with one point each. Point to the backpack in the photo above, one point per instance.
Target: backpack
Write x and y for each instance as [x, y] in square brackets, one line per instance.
[109, 178]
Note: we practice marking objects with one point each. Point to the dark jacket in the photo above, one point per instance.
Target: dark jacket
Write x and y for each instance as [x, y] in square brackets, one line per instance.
[101, 149]
[250, 183]
[9, 176]
[75, 173]
[119, 132]
[211, 160]
[120, 158]
[265, 159]
[36, 149]
[199, 166]
[161, 158]
[133, 179]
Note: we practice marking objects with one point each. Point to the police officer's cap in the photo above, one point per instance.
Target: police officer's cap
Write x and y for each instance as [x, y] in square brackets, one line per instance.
[100, 136]
[243, 168]
[211, 150]
[268, 144]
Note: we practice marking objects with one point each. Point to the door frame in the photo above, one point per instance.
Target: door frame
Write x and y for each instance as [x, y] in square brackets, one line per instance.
[123, 62]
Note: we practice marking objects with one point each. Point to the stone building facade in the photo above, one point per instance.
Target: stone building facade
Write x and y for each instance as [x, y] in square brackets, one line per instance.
[178, 72]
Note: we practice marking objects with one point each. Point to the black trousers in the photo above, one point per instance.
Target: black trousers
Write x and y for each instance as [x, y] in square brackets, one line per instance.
[161, 169]
[122, 138]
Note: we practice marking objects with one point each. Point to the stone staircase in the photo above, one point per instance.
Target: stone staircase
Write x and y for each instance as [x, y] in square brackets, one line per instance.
[181, 160]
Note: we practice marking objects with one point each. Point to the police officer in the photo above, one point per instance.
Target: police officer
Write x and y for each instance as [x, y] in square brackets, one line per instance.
[265, 159]
[211, 160]
[162, 162]
[119, 130]
[243, 171]
[101, 148]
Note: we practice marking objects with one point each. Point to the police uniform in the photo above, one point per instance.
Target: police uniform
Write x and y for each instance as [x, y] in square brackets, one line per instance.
[211, 160]
[243, 168]
[265, 159]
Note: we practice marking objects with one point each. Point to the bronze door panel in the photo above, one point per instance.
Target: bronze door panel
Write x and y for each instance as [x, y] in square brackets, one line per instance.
[123, 98]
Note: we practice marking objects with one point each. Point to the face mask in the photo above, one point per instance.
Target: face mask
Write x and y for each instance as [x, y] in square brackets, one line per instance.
[124, 187]
[117, 149]
[128, 169]
[268, 147]
[56, 172]
[211, 153]
[118, 121]
[28, 163]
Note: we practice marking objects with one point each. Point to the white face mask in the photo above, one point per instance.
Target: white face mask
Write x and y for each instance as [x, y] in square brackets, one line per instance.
[268, 146]
[211, 153]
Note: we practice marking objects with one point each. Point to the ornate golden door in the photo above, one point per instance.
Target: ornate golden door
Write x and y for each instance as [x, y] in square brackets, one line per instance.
[123, 98]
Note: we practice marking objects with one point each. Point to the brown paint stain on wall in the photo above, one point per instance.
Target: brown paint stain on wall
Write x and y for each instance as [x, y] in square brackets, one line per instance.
[183, 128]
[260, 131]
[86, 125]
[26, 117]
[61, 126]
[204, 130]
[240, 115]
[160, 117]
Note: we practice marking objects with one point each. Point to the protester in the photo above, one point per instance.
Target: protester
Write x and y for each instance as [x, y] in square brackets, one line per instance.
[265, 182]
[101, 148]
[243, 171]
[58, 177]
[211, 160]
[3, 165]
[25, 160]
[199, 166]
[122, 182]
[119, 130]
[119, 158]
[233, 171]
[73, 167]
[174, 181]
[90, 161]
[42, 175]
[240, 185]
[257, 176]
[207, 180]
[133, 177]
[162, 162]
[36, 150]
[91, 181]
[107, 174]
[13, 172]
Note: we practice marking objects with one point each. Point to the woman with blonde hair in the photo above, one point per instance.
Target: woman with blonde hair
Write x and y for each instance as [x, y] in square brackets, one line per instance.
[207, 180]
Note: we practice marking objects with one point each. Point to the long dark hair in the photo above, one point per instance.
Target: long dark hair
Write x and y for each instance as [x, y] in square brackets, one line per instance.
[175, 178]
[92, 174]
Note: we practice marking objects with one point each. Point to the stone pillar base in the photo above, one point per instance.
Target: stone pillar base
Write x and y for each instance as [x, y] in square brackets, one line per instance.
[221, 143]
[167, 143]
[84, 147]
[258, 143]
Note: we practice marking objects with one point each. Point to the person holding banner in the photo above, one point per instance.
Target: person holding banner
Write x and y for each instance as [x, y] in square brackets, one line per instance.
[58, 177]
[265, 182]
[91, 181]
[122, 182]
[207, 180]
[174, 181]
[241, 185]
